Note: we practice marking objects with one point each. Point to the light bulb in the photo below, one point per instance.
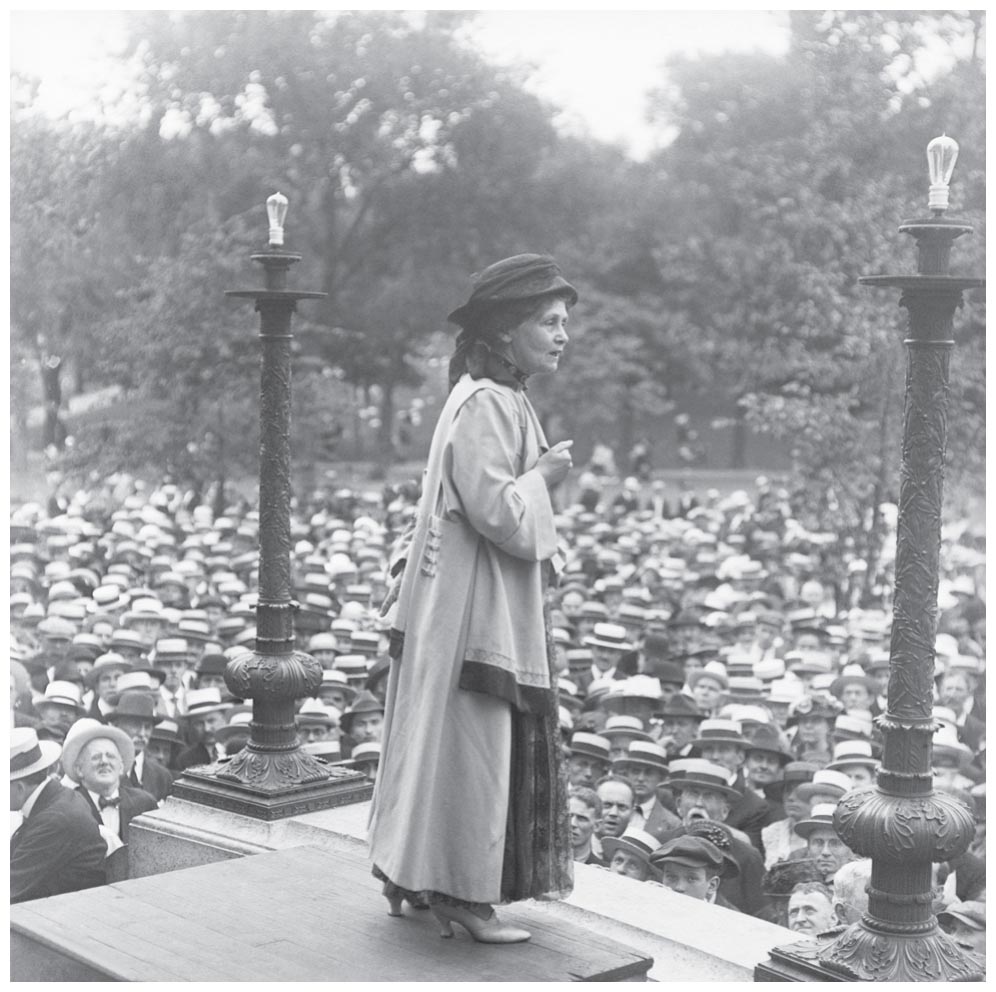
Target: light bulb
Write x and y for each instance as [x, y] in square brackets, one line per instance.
[276, 210]
[942, 153]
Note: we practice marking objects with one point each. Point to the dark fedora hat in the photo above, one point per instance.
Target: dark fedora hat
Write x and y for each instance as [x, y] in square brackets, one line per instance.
[767, 738]
[134, 704]
[520, 277]
[365, 702]
[680, 705]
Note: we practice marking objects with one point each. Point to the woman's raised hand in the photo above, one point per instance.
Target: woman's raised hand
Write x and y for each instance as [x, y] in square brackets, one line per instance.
[554, 464]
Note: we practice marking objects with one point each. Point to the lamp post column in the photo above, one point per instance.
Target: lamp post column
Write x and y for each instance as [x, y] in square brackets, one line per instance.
[272, 776]
[900, 822]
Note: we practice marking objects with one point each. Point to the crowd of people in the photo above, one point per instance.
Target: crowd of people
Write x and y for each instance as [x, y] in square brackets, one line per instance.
[721, 670]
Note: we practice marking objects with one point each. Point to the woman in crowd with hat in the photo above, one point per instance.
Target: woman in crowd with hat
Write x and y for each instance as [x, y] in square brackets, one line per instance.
[471, 718]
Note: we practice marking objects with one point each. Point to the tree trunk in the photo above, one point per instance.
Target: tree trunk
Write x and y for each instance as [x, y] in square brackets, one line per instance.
[738, 452]
[386, 451]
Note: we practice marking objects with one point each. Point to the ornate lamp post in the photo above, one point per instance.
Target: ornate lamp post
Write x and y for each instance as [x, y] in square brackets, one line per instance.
[901, 823]
[272, 777]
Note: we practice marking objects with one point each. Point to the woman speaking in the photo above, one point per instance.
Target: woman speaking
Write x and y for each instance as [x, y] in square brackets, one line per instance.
[470, 805]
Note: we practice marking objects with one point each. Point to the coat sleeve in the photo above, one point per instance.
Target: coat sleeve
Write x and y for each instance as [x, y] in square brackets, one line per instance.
[63, 852]
[513, 511]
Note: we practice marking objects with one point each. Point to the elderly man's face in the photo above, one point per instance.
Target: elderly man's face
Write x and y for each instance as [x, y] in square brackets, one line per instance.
[99, 766]
[137, 728]
[701, 803]
[586, 770]
[810, 913]
[679, 729]
[828, 850]
[617, 807]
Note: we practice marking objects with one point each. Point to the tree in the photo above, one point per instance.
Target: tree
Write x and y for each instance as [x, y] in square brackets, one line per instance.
[791, 178]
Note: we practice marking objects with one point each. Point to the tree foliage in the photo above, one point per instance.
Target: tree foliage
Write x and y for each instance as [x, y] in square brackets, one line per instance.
[728, 263]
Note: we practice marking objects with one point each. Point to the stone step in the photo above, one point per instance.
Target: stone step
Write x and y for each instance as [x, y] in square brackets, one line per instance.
[301, 914]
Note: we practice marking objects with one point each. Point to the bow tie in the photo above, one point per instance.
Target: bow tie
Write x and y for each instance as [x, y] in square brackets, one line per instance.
[103, 803]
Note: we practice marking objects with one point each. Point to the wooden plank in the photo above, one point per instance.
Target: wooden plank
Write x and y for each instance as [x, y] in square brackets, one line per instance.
[301, 914]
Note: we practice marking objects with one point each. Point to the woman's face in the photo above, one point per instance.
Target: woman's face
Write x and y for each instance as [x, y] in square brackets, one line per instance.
[538, 343]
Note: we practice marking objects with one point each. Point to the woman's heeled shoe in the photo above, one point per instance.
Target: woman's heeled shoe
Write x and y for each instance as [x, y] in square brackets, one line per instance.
[394, 905]
[489, 931]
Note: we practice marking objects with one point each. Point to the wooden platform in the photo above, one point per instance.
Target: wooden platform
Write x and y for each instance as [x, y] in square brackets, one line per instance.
[295, 915]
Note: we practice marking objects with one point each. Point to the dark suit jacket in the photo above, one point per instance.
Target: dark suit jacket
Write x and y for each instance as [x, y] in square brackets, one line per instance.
[661, 821]
[750, 813]
[156, 780]
[196, 754]
[57, 849]
[133, 802]
[972, 731]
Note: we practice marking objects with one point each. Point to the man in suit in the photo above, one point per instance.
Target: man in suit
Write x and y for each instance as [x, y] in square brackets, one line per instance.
[720, 741]
[58, 847]
[204, 717]
[102, 680]
[97, 757]
[645, 765]
[135, 715]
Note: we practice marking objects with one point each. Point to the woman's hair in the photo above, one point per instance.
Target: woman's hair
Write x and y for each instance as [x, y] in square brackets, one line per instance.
[480, 337]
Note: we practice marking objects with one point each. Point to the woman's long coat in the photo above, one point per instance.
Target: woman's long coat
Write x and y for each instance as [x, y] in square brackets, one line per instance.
[471, 604]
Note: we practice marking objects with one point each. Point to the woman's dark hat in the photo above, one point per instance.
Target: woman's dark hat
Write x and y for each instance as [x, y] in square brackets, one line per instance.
[520, 277]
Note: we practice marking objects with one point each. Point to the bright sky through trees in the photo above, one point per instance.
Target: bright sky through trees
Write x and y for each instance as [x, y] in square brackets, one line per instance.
[597, 65]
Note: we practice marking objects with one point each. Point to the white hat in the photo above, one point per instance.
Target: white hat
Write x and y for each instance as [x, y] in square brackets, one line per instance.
[28, 754]
[82, 732]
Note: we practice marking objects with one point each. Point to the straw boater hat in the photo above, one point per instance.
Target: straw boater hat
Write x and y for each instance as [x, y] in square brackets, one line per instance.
[721, 732]
[848, 753]
[326, 750]
[711, 670]
[644, 753]
[28, 754]
[634, 841]
[609, 635]
[167, 730]
[624, 726]
[820, 816]
[364, 754]
[201, 701]
[853, 675]
[591, 745]
[701, 773]
[82, 732]
[825, 782]
[109, 662]
[60, 693]
[947, 745]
